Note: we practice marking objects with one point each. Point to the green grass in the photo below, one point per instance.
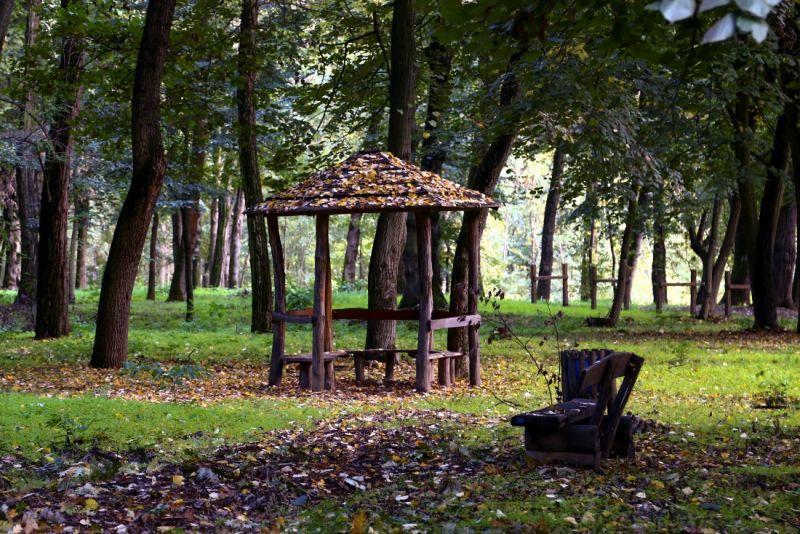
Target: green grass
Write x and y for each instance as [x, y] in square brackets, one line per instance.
[704, 380]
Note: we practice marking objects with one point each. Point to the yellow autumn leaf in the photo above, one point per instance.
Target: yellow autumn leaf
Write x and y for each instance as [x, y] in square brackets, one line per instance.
[91, 504]
[177, 480]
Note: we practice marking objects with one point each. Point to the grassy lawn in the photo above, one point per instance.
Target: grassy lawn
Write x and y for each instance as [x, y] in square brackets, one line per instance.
[711, 455]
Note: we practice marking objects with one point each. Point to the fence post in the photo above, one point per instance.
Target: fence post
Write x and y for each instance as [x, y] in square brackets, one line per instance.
[693, 292]
[532, 272]
[564, 285]
[728, 297]
[593, 285]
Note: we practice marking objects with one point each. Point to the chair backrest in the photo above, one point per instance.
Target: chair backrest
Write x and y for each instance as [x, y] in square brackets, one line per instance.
[573, 363]
[602, 375]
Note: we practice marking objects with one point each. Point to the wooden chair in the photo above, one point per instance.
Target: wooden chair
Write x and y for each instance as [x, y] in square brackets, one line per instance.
[582, 431]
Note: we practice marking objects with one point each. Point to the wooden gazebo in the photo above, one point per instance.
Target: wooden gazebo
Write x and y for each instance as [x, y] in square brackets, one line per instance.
[371, 182]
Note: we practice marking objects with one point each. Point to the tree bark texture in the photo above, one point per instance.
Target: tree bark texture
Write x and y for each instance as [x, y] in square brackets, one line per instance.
[149, 165]
[177, 287]
[624, 258]
[390, 232]
[235, 241]
[6, 10]
[258, 244]
[549, 224]
[221, 242]
[785, 256]
[82, 219]
[483, 179]
[29, 181]
[152, 260]
[52, 273]
[433, 155]
[351, 250]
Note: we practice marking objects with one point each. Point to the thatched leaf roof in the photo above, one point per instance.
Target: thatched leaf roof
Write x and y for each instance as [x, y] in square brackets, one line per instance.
[372, 182]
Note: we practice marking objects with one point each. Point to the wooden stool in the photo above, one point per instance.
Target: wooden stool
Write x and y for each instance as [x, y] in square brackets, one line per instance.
[304, 363]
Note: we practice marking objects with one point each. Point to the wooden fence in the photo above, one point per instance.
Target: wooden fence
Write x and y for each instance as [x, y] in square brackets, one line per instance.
[564, 277]
[693, 286]
[729, 286]
[593, 281]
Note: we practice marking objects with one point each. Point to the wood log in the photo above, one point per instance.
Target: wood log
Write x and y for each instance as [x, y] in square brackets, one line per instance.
[320, 307]
[459, 321]
[473, 262]
[279, 328]
[423, 227]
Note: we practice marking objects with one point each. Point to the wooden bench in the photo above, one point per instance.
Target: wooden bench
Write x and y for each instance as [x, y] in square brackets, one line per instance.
[304, 363]
[583, 431]
[445, 361]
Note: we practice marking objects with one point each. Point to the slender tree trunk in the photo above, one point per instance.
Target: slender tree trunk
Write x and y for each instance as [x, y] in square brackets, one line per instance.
[624, 259]
[220, 251]
[390, 232]
[658, 274]
[794, 137]
[72, 261]
[190, 217]
[726, 246]
[149, 165]
[258, 244]
[633, 263]
[177, 288]
[213, 213]
[6, 9]
[483, 179]
[351, 250]
[11, 223]
[29, 180]
[589, 249]
[52, 293]
[433, 155]
[236, 240]
[152, 260]
[82, 218]
[785, 255]
[761, 242]
[549, 223]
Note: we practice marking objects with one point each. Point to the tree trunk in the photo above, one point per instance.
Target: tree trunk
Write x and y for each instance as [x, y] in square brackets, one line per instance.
[433, 156]
[52, 293]
[785, 255]
[213, 213]
[149, 165]
[6, 10]
[28, 181]
[761, 241]
[549, 224]
[152, 260]
[633, 263]
[624, 259]
[483, 179]
[177, 288]
[220, 246]
[258, 244]
[236, 241]
[72, 259]
[11, 231]
[351, 250]
[82, 218]
[190, 217]
[794, 136]
[658, 274]
[589, 249]
[390, 232]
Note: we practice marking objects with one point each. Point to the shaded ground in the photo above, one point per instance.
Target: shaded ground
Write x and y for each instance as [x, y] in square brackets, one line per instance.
[414, 468]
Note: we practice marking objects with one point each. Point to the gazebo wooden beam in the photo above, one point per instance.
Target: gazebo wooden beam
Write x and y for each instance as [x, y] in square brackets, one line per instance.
[472, 220]
[423, 221]
[319, 326]
[278, 327]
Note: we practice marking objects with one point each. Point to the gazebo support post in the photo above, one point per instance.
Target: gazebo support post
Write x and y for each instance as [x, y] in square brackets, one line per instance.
[279, 327]
[471, 218]
[319, 324]
[423, 221]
